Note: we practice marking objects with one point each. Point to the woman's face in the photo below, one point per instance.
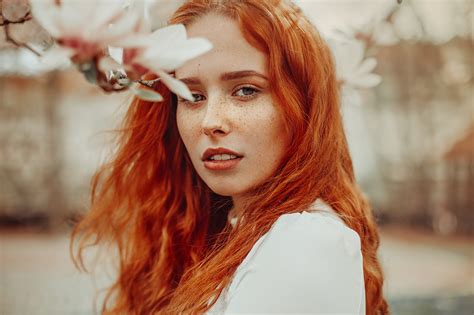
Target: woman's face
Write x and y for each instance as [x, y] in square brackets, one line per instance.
[233, 112]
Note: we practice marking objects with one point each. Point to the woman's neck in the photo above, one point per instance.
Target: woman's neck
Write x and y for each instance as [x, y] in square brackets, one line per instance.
[239, 204]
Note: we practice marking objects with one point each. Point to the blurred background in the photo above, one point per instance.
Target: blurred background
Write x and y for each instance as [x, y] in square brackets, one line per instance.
[411, 138]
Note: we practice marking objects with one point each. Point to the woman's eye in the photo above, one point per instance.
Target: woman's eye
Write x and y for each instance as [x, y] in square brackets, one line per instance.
[246, 91]
[197, 98]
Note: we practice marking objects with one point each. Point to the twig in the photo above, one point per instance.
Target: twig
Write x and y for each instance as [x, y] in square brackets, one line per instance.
[26, 18]
[18, 44]
[148, 83]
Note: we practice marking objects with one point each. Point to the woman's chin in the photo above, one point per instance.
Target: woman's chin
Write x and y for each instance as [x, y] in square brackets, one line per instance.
[226, 189]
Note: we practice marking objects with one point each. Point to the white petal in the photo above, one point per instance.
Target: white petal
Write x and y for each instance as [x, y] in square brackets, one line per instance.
[356, 49]
[368, 65]
[72, 16]
[146, 94]
[169, 34]
[142, 7]
[160, 40]
[340, 58]
[116, 53]
[57, 55]
[122, 28]
[176, 55]
[134, 41]
[366, 81]
[45, 13]
[108, 64]
[348, 55]
[385, 35]
[175, 86]
[104, 12]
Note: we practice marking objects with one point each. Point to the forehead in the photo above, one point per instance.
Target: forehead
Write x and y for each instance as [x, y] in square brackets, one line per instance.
[231, 51]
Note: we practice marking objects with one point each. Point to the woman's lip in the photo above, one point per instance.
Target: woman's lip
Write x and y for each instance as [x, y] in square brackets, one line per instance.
[212, 151]
[221, 165]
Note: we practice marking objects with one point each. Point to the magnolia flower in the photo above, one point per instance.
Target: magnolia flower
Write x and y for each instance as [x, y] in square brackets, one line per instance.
[85, 35]
[160, 52]
[352, 70]
[374, 27]
[83, 31]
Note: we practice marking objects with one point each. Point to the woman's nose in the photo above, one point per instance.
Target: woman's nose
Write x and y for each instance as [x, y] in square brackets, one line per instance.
[215, 122]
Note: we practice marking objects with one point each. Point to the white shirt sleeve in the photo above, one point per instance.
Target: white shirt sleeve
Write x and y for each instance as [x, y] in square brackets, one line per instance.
[309, 263]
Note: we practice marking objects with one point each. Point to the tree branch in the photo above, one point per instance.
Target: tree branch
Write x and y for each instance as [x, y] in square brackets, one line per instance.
[11, 40]
[26, 18]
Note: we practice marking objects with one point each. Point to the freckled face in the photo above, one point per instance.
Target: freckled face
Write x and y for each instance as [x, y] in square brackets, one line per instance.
[233, 109]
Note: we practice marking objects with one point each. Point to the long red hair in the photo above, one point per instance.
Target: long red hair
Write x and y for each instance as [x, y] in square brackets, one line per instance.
[176, 249]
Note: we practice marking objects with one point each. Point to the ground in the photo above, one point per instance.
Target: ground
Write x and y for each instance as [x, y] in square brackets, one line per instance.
[425, 274]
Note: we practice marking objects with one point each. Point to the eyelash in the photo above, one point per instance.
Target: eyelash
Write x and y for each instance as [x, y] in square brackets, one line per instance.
[246, 97]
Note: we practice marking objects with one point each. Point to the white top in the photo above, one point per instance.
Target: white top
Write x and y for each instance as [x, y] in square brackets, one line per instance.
[307, 263]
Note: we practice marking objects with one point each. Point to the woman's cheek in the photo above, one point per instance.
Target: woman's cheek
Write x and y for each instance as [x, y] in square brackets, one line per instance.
[187, 123]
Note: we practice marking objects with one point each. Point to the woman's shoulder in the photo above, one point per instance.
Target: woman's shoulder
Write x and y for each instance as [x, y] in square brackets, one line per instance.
[310, 258]
[312, 233]
[318, 229]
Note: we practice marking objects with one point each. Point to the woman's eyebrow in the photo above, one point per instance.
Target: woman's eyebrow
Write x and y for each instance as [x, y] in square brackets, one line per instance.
[241, 74]
[228, 76]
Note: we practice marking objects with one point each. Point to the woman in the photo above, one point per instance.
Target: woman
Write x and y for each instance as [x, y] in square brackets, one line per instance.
[244, 200]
